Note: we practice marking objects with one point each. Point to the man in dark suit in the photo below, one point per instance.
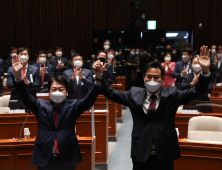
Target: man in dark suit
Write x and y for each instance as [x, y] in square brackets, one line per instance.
[56, 145]
[1, 74]
[131, 66]
[190, 80]
[80, 79]
[154, 138]
[107, 71]
[59, 63]
[45, 71]
[216, 66]
[30, 76]
[182, 67]
[8, 62]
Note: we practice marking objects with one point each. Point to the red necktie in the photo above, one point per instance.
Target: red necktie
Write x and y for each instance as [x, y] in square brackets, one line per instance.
[152, 107]
[42, 77]
[24, 73]
[55, 121]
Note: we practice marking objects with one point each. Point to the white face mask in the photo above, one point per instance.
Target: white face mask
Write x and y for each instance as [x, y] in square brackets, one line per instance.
[72, 54]
[106, 47]
[213, 51]
[116, 53]
[77, 64]
[137, 53]
[152, 86]
[167, 58]
[110, 57]
[196, 67]
[185, 58]
[49, 55]
[12, 55]
[59, 54]
[24, 59]
[42, 60]
[219, 56]
[57, 97]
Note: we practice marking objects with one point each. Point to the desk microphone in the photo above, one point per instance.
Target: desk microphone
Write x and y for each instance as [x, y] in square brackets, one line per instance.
[28, 113]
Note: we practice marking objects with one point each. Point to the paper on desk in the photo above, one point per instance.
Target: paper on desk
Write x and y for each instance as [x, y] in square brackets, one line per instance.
[190, 112]
[205, 141]
[100, 110]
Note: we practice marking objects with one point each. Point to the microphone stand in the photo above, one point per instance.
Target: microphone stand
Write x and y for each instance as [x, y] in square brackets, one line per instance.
[20, 136]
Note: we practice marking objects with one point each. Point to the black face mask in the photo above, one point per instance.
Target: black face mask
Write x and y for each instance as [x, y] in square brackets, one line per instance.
[168, 50]
[102, 59]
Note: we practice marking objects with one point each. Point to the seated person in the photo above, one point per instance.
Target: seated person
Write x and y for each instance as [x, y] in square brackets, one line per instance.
[30, 76]
[112, 62]
[107, 71]
[190, 80]
[169, 66]
[45, 71]
[8, 62]
[59, 63]
[182, 67]
[80, 79]
[1, 74]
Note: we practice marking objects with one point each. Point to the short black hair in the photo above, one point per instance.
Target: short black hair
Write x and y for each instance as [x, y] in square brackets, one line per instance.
[72, 48]
[111, 50]
[58, 48]
[187, 51]
[59, 79]
[76, 55]
[219, 47]
[101, 51]
[41, 52]
[107, 41]
[154, 64]
[213, 45]
[12, 48]
[49, 51]
[187, 45]
[132, 48]
[195, 56]
[168, 53]
[22, 49]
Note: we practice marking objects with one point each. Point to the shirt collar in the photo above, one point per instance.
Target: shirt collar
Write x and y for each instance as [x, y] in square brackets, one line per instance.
[195, 74]
[157, 94]
[58, 58]
[26, 66]
[42, 64]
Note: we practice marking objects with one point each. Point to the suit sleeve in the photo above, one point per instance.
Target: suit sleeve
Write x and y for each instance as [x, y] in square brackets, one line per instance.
[50, 72]
[66, 65]
[88, 101]
[10, 79]
[88, 81]
[108, 73]
[115, 95]
[185, 83]
[186, 96]
[1, 68]
[176, 73]
[29, 101]
[136, 63]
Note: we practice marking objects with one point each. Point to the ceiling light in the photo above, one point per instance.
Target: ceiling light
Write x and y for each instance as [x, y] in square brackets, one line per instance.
[171, 34]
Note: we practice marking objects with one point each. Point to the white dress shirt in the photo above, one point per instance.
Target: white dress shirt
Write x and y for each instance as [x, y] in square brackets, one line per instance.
[59, 61]
[77, 78]
[147, 101]
[26, 68]
[219, 63]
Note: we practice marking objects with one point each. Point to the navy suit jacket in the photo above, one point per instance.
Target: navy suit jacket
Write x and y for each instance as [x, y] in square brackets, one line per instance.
[8, 63]
[1, 74]
[33, 86]
[82, 89]
[49, 73]
[69, 112]
[177, 71]
[217, 72]
[54, 63]
[161, 127]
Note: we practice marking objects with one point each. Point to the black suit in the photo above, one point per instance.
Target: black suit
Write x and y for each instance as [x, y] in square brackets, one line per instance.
[59, 71]
[216, 71]
[187, 79]
[161, 127]
[69, 112]
[8, 63]
[1, 74]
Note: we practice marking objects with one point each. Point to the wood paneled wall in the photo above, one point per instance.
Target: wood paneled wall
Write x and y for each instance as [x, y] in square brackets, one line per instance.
[45, 24]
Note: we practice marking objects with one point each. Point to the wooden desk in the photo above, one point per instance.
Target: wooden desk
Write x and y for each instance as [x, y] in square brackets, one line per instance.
[217, 90]
[16, 155]
[11, 125]
[181, 121]
[119, 106]
[83, 128]
[197, 155]
[121, 80]
[100, 104]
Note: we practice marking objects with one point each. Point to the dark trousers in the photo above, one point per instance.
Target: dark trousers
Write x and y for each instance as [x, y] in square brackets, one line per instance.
[56, 165]
[153, 163]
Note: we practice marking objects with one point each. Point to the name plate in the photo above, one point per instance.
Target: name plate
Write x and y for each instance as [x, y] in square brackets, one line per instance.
[190, 112]
[17, 111]
[42, 94]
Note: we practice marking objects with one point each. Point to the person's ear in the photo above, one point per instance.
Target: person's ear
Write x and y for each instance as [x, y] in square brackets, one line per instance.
[67, 93]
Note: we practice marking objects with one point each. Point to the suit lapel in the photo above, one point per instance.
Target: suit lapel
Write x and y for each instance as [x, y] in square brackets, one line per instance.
[163, 94]
[62, 111]
[49, 109]
[140, 98]
[29, 70]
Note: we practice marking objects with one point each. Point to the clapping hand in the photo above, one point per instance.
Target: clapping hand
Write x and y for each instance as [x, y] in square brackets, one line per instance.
[98, 69]
[195, 79]
[17, 67]
[184, 72]
[204, 58]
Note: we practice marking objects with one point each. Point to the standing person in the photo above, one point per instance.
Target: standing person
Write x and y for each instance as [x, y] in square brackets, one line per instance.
[131, 66]
[120, 60]
[154, 138]
[56, 145]
[8, 60]
[80, 79]
[169, 66]
[59, 63]
[30, 76]
[182, 68]
[45, 71]
[190, 80]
